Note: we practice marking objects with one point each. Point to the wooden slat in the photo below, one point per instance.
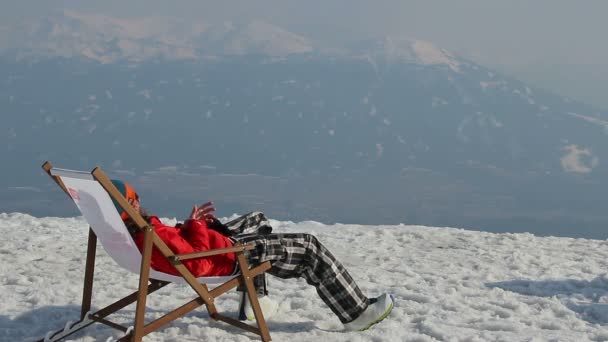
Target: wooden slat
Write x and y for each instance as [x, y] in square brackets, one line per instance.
[89, 272]
[197, 302]
[107, 184]
[169, 317]
[241, 325]
[227, 286]
[47, 166]
[108, 323]
[184, 272]
[123, 302]
[144, 276]
[69, 334]
[126, 338]
[253, 297]
[214, 252]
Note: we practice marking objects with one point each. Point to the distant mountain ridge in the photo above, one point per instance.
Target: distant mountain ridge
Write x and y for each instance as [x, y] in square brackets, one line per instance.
[108, 39]
[382, 131]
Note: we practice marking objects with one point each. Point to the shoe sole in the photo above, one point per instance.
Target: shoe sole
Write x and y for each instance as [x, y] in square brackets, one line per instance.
[384, 315]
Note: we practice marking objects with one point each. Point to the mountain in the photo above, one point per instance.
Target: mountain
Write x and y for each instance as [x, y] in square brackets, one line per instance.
[108, 39]
[255, 117]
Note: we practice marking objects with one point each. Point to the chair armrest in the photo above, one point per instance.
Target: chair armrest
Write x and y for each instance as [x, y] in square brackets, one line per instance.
[233, 249]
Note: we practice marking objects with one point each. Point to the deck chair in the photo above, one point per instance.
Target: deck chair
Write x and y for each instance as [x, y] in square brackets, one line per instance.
[93, 193]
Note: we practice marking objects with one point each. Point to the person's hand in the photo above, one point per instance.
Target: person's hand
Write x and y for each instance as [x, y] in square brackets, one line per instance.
[204, 212]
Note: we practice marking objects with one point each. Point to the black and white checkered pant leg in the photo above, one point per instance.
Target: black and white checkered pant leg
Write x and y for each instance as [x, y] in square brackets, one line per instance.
[302, 255]
[251, 223]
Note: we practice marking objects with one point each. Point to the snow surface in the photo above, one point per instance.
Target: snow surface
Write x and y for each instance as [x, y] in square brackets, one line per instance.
[449, 284]
[428, 53]
[406, 50]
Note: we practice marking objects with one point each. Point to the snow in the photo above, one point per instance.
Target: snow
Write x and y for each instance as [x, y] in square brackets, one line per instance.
[406, 50]
[262, 37]
[428, 53]
[449, 284]
[578, 160]
[591, 119]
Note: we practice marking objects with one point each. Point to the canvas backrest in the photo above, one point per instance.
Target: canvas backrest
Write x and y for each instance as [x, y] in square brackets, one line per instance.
[98, 209]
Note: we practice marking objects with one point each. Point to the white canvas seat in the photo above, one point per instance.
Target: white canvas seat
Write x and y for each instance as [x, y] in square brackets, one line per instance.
[94, 195]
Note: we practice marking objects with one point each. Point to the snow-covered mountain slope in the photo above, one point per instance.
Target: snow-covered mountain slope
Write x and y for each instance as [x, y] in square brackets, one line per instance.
[434, 144]
[449, 285]
[107, 39]
[417, 51]
[424, 136]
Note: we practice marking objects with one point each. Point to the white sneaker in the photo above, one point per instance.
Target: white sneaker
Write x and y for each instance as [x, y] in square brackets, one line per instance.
[378, 309]
[269, 308]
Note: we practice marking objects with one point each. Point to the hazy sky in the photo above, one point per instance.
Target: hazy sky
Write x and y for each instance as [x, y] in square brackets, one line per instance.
[506, 32]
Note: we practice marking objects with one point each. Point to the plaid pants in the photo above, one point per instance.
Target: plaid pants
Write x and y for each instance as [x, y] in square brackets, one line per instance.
[302, 255]
[252, 223]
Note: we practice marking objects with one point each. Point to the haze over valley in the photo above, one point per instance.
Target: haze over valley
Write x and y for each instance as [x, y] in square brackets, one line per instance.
[255, 117]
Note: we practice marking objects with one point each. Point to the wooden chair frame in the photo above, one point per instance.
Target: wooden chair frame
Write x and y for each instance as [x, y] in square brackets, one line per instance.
[147, 285]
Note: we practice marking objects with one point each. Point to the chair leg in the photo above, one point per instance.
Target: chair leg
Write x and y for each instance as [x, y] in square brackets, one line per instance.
[253, 297]
[210, 304]
[144, 275]
[89, 274]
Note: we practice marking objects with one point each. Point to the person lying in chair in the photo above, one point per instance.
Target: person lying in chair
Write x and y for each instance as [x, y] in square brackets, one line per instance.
[291, 255]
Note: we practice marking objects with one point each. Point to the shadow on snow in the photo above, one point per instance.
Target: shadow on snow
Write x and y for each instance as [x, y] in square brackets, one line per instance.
[35, 324]
[589, 299]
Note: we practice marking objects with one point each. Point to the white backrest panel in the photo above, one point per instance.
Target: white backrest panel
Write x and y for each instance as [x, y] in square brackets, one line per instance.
[98, 209]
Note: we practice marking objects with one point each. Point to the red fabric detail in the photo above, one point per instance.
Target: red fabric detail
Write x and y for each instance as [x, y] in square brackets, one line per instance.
[193, 236]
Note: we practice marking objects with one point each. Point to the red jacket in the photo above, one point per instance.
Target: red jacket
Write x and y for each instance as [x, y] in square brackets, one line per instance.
[193, 236]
